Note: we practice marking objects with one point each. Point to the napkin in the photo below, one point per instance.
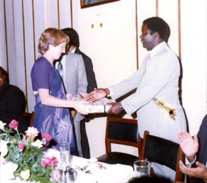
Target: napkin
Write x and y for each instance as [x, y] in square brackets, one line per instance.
[117, 173]
[111, 174]
[7, 171]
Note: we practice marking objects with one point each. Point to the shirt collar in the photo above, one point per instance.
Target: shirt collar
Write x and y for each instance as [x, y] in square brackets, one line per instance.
[155, 49]
[73, 51]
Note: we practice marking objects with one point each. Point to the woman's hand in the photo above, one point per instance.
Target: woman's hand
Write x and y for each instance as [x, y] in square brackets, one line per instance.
[97, 94]
[198, 172]
[81, 107]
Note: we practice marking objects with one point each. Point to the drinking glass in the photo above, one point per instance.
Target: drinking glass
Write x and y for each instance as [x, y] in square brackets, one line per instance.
[142, 168]
[64, 155]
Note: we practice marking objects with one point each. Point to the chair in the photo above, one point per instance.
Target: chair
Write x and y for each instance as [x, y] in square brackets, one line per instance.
[162, 151]
[120, 131]
[29, 117]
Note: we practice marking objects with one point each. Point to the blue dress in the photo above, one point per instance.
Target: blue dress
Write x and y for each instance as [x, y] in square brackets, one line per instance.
[55, 121]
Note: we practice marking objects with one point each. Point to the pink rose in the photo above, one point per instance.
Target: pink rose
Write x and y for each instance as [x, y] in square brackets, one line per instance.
[32, 132]
[47, 137]
[43, 163]
[46, 162]
[21, 146]
[55, 175]
[49, 161]
[13, 124]
[54, 161]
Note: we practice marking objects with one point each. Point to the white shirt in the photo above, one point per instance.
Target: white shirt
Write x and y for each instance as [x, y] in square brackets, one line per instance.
[190, 164]
[73, 51]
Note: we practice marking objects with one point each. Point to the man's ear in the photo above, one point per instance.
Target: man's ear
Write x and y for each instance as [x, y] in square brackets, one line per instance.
[155, 34]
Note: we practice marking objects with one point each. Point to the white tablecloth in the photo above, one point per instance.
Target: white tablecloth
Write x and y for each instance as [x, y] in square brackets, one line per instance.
[112, 174]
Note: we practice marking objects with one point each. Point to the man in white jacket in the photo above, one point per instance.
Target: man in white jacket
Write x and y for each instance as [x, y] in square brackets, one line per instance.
[156, 84]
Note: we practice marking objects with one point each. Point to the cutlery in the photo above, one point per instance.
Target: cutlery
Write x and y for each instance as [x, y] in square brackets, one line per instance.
[84, 169]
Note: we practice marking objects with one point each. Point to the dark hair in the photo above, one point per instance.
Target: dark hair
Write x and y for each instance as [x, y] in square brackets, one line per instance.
[147, 179]
[51, 36]
[4, 74]
[73, 35]
[157, 24]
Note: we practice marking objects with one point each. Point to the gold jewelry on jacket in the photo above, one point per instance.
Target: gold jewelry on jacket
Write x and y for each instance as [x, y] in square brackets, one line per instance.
[170, 111]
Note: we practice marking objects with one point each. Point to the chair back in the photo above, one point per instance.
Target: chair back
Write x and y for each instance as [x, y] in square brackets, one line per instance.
[164, 152]
[122, 131]
[32, 119]
[29, 117]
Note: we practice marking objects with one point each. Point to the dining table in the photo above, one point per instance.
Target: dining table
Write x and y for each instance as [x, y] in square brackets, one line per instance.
[87, 170]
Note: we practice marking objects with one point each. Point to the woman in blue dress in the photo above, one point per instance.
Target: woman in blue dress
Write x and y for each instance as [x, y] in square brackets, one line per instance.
[51, 110]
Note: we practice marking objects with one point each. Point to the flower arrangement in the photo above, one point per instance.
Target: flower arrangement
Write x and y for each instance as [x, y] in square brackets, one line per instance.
[25, 150]
[170, 111]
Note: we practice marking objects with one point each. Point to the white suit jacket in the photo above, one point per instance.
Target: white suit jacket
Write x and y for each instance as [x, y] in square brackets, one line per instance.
[159, 80]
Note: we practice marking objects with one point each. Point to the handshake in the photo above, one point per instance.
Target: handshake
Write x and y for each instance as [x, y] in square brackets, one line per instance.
[101, 105]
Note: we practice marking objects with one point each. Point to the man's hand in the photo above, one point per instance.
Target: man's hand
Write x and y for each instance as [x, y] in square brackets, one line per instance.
[115, 108]
[188, 144]
[97, 94]
[69, 96]
[199, 172]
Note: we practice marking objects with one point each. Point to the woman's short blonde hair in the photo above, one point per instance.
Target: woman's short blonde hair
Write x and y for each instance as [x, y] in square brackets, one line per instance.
[51, 36]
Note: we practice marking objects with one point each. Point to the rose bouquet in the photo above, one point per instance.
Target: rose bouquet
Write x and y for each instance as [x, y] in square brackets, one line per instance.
[25, 150]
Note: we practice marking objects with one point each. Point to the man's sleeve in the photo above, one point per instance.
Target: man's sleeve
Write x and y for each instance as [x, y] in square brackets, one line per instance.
[82, 78]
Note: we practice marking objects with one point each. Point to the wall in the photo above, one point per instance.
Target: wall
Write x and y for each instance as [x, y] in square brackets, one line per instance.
[115, 47]
[22, 23]
[112, 49]
[114, 56]
[194, 60]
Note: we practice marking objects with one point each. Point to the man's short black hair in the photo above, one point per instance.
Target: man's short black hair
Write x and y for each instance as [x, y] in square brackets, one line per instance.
[73, 35]
[157, 24]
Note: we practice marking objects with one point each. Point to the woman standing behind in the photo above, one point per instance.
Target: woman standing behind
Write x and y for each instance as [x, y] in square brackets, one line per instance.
[51, 110]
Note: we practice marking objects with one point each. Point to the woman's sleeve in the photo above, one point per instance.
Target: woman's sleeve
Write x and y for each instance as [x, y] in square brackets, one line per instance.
[41, 74]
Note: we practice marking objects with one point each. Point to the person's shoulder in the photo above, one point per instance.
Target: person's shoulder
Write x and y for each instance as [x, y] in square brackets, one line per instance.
[74, 55]
[169, 50]
[204, 120]
[167, 55]
[85, 57]
[42, 61]
[203, 127]
[41, 64]
[74, 59]
[15, 89]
